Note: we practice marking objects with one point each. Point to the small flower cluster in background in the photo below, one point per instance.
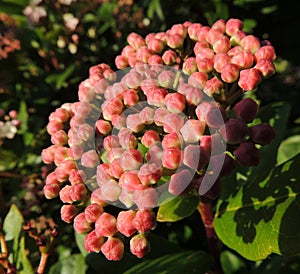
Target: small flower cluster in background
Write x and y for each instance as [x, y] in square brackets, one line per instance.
[9, 125]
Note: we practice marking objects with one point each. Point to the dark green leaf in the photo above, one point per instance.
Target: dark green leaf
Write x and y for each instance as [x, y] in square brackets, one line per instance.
[72, 264]
[231, 263]
[7, 159]
[260, 218]
[177, 209]
[178, 263]
[288, 149]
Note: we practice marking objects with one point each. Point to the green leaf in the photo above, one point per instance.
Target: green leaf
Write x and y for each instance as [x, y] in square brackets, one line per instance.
[178, 263]
[79, 238]
[177, 209]
[7, 159]
[73, 264]
[259, 219]
[15, 240]
[288, 149]
[231, 263]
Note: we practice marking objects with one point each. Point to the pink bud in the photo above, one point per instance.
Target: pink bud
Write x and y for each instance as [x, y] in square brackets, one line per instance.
[251, 43]
[212, 144]
[84, 132]
[81, 225]
[200, 46]
[51, 178]
[134, 122]
[244, 59]
[222, 45]
[111, 107]
[54, 126]
[171, 157]
[198, 79]
[130, 181]
[205, 53]
[189, 65]
[110, 141]
[175, 102]
[156, 45]
[236, 38]
[75, 152]
[147, 115]
[173, 122]
[149, 174]
[103, 127]
[106, 225]
[144, 220]
[121, 62]
[233, 51]
[230, 73]
[146, 198]
[78, 192]
[115, 153]
[160, 115]
[265, 52]
[90, 159]
[130, 97]
[60, 154]
[205, 64]
[65, 194]
[154, 155]
[193, 29]
[139, 245]
[169, 57]
[125, 222]
[192, 130]
[68, 213]
[62, 115]
[203, 33]
[116, 169]
[219, 25]
[213, 86]
[220, 60]
[266, 67]
[213, 35]
[96, 197]
[92, 212]
[157, 96]
[118, 121]
[127, 139]
[180, 181]
[175, 41]
[103, 173]
[249, 79]
[233, 25]
[48, 154]
[113, 249]
[51, 190]
[155, 60]
[150, 138]
[135, 40]
[127, 51]
[173, 139]
[92, 242]
[131, 159]
[59, 137]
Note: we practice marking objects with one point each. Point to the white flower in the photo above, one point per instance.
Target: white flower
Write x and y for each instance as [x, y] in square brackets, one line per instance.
[7, 130]
[70, 21]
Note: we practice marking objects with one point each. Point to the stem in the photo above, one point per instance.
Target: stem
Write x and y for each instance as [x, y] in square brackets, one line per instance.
[43, 263]
[214, 245]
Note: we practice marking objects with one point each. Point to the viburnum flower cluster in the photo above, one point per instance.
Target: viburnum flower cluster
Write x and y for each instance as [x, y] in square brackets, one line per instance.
[172, 121]
[9, 124]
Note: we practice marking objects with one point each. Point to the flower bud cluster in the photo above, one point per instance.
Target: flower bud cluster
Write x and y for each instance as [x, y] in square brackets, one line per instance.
[9, 124]
[153, 131]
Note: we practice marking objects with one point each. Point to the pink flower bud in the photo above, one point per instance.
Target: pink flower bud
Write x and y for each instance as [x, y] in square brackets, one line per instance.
[219, 25]
[150, 138]
[103, 173]
[126, 198]
[131, 159]
[213, 35]
[115, 153]
[61, 115]
[48, 154]
[247, 154]
[236, 38]
[169, 57]
[54, 126]
[96, 197]
[68, 213]
[244, 59]
[233, 25]
[233, 51]
[146, 198]
[222, 45]
[149, 174]
[134, 122]
[116, 169]
[125, 222]
[234, 131]
[60, 154]
[59, 137]
[92, 242]
[51, 178]
[75, 152]
[192, 130]
[155, 60]
[81, 225]
[195, 157]
[160, 115]
[127, 51]
[139, 245]
[173, 139]
[171, 157]
[230, 73]
[127, 139]
[78, 192]
[213, 115]
[265, 52]
[175, 102]
[173, 122]
[92, 212]
[213, 86]
[156, 45]
[106, 225]
[130, 97]
[130, 181]
[156, 97]
[113, 249]
[251, 43]
[205, 64]
[189, 65]
[249, 79]
[180, 181]
[51, 190]
[121, 62]
[266, 67]
[111, 107]
[198, 79]
[193, 29]
[175, 41]
[90, 159]
[144, 220]
[135, 40]
[103, 127]
[262, 134]
[118, 121]
[110, 142]
[200, 46]
[154, 155]
[220, 60]
[202, 33]
[148, 84]
[84, 132]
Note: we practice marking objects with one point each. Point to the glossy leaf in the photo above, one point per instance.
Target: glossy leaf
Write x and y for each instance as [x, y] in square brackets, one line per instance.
[288, 149]
[259, 219]
[177, 209]
[178, 263]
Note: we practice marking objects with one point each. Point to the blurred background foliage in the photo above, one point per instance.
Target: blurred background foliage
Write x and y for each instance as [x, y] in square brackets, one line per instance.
[46, 49]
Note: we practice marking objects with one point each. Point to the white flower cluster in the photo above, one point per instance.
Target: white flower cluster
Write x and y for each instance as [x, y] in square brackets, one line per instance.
[7, 129]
